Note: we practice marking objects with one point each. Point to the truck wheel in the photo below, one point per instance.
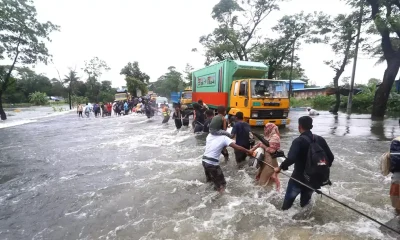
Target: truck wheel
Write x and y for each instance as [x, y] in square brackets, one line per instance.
[282, 126]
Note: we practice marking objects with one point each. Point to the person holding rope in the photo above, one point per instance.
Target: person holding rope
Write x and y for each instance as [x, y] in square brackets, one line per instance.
[266, 175]
[212, 170]
[299, 155]
[199, 118]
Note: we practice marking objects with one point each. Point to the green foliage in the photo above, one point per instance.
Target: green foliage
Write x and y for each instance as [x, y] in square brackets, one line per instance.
[238, 25]
[135, 78]
[132, 70]
[362, 102]
[188, 74]
[70, 80]
[38, 98]
[169, 82]
[323, 102]
[394, 103]
[95, 66]
[22, 38]
[303, 102]
[134, 84]
[79, 100]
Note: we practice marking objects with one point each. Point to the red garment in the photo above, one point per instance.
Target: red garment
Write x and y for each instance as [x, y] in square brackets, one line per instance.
[109, 107]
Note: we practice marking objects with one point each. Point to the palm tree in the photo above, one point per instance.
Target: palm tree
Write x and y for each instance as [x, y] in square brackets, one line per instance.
[70, 79]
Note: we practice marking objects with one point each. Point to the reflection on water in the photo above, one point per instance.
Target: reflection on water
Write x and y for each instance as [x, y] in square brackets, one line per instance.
[354, 125]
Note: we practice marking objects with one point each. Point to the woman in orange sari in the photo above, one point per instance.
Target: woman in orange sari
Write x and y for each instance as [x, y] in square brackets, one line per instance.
[266, 175]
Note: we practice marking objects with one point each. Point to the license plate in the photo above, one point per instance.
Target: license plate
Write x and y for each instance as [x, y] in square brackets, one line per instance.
[283, 121]
[259, 122]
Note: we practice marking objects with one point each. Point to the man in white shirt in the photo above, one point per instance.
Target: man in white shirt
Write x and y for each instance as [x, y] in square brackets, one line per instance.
[312, 112]
[214, 146]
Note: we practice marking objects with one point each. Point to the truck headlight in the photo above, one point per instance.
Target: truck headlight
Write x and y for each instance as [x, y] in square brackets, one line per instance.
[254, 115]
[285, 114]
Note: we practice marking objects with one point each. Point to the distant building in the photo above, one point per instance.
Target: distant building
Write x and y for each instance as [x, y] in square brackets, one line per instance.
[309, 92]
[296, 84]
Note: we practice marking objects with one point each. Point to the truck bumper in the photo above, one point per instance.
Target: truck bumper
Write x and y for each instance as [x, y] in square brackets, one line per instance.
[262, 122]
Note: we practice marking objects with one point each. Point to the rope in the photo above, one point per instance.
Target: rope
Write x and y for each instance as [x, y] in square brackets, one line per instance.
[324, 194]
[335, 200]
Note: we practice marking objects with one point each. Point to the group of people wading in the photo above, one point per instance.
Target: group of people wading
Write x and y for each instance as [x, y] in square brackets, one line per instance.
[141, 105]
[306, 149]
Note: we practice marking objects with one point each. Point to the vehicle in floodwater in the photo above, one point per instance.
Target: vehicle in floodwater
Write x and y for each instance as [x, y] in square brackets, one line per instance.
[186, 97]
[161, 102]
[241, 87]
[122, 95]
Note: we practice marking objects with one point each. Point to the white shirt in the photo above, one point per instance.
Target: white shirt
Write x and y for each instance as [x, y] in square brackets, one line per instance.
[214, 146]
[312, 112]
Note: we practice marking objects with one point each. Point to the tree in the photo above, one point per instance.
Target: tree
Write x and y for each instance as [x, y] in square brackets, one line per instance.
[169, 82]
[27, 81]
[95, 66]
[385, 15]
[275, 53]
[22, 38]
[344, 33]
[70, 80]
[236, 36]
[38, 98]
[374, 82]
[188, 74]
[133, 70]
[57, 88]
[135, 78]
[297, 73]
[134, 84]
[279, 53]
[92, 89]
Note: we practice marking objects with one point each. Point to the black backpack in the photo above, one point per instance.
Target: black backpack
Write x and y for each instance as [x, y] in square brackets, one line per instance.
[316, 171]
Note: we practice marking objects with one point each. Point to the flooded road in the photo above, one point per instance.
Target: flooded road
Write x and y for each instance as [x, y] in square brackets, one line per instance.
[129, 178]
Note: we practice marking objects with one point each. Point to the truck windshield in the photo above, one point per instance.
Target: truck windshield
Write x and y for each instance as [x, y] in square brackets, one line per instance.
[187, 95]
[268, 89]
[120, 96]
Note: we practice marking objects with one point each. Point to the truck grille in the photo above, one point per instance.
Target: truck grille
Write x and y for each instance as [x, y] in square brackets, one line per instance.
[269, 114]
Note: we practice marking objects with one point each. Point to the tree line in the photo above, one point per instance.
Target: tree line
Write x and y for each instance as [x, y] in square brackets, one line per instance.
[23, 41]
[238, 37]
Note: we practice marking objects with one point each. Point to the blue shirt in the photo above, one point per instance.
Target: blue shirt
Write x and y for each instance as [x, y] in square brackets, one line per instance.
[242, 132]
[126, 106]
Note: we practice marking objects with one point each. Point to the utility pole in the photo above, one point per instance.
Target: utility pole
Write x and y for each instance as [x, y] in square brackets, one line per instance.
[291, 70]
[353, 75]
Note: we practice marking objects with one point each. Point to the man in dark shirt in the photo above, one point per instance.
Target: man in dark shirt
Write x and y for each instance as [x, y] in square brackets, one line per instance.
[241, 130]
[210, 115]
[298, 156]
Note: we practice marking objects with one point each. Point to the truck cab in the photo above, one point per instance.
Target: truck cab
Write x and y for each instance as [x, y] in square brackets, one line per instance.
[261, 101]
[241, 87]
[186, 97]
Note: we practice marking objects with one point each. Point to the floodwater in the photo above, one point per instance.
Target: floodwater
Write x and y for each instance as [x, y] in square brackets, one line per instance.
[130, 178]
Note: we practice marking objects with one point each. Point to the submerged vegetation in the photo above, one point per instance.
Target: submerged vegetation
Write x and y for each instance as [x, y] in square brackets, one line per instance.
[362, 102]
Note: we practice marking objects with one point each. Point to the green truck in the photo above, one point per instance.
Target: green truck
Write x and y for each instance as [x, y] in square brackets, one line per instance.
[241, 86]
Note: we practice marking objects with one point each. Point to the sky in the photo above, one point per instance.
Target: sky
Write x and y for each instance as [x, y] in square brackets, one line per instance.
[161, 33]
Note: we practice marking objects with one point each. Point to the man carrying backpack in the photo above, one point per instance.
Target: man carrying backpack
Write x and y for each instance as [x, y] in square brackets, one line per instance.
[312, 159]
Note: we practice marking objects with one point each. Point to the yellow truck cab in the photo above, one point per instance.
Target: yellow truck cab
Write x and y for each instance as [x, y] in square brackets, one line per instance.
[241, 87]
[186, 97]
[262, 101]
[122, 95]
